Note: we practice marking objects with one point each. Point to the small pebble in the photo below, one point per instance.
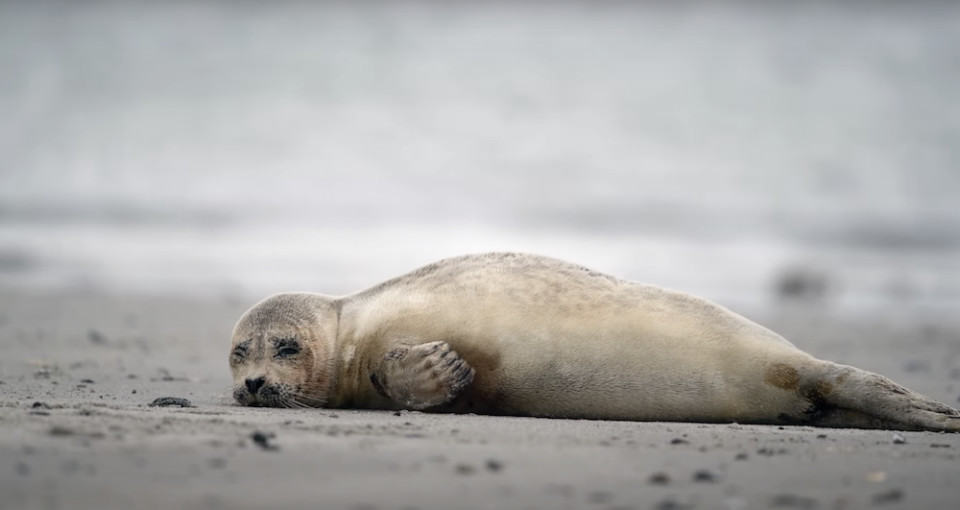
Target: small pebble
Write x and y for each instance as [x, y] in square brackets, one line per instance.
[494, 465]
[464, 469]
[898, 439]
[599, 497]
[741, 456]
[679, 440]
[170, 402]
[86, 381]
[889, 496]
[659, 478]
[770, 452]
[704, 475]
[40, 405]
[59, 430]
[262, 439]
[96, 337]
[671, 504]
[793, 501]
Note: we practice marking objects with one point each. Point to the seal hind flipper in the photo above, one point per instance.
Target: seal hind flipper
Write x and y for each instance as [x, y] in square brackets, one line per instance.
[421, 376]
[851, 397]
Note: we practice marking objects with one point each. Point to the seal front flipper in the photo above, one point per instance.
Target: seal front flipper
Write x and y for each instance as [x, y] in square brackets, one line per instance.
[421, 376]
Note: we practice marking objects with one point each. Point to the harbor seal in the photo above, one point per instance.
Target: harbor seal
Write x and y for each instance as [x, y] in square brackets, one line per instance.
[525, 335]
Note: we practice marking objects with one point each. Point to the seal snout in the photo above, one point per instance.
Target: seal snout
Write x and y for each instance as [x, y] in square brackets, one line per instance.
[254, 384]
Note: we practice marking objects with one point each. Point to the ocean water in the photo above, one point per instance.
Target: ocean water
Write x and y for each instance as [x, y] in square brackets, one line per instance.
[757, 154]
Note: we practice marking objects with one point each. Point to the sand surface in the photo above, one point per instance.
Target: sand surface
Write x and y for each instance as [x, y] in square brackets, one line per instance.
[79, 369]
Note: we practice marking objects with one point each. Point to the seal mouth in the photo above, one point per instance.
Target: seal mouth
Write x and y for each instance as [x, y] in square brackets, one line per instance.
[274, 395]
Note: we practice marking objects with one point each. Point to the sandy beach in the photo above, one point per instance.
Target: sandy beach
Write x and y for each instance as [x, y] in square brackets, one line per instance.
[76, 429]
[174, 162]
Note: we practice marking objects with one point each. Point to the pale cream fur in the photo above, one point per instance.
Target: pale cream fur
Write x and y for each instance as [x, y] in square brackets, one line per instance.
[548, 338]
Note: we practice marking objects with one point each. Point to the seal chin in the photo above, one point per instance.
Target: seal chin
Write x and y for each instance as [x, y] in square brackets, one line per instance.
[243, 397]
[273, 395]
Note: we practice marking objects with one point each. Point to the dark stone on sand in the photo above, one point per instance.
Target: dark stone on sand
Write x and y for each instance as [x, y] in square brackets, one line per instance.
[599, 497]
[170, 402]
[86, 381]
[262, 439]
[770, 452]
[494, 465]
[671, 504]
[704, 475]
[741, 456]
[679, 440]
[464, 469]
[659, 478]
[793, 501]
[60, 431]
[96, 337]
[40, 405]
[939, 445]
[889, 496]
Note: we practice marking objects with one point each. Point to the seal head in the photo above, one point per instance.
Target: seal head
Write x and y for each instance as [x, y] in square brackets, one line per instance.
[281, 351]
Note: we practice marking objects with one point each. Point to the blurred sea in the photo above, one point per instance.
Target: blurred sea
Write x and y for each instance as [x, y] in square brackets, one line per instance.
[751, 152]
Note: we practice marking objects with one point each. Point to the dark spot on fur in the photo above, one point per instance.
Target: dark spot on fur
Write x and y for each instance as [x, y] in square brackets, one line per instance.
[782, 376]
[823, 388]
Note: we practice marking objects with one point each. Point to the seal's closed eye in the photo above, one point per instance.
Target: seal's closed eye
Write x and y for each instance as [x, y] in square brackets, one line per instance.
[239, 353]
[286, 347]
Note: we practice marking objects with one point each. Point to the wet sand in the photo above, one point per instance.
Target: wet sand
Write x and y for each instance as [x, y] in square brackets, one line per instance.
[79, 371]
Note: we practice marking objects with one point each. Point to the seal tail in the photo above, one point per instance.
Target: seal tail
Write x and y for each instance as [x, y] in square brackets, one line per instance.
[850, 397]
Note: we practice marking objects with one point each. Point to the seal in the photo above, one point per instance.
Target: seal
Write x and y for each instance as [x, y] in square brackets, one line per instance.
[525, 335]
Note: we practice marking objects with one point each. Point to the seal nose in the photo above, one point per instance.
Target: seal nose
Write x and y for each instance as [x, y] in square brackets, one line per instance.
[255, 384]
